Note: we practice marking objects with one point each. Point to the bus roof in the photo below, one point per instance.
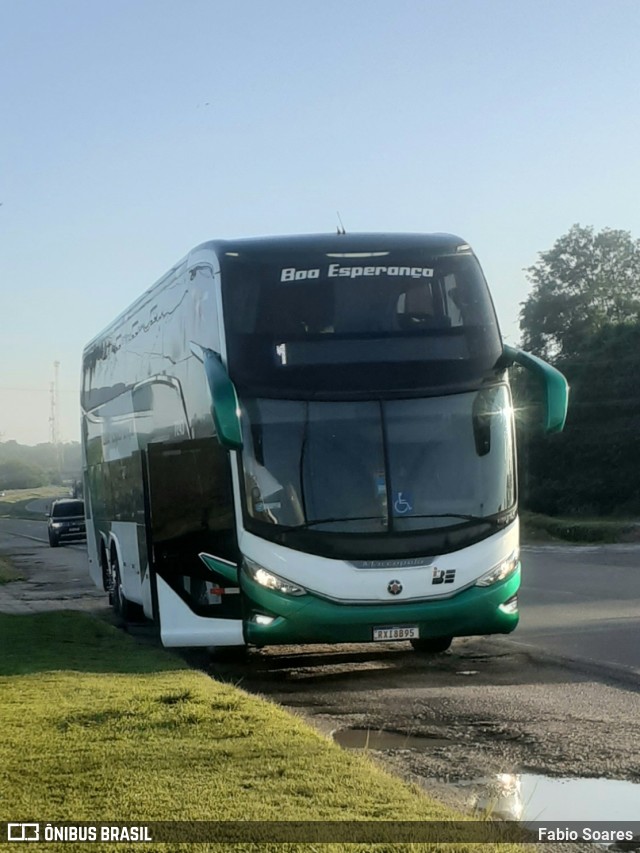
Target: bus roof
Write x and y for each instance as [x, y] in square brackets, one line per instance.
[338, 242]
[331, 243]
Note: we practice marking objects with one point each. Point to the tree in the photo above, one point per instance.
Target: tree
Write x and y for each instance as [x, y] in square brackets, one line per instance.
[585, 282]
[583, 314]
[592, 467]
[15, 474]
[64, 459]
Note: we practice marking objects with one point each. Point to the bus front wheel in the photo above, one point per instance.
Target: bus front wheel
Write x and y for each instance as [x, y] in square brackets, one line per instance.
[227, 654]
[432, 645]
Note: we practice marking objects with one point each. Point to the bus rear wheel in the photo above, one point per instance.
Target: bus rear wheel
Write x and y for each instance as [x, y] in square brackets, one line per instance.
[432, 645]
[125, 609]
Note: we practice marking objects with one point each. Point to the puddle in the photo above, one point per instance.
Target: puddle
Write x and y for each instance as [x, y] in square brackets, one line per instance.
[529, 797]
[380, 739]
[526, 797]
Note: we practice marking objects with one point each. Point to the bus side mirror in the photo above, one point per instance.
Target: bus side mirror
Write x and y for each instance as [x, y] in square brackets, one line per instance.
[225, 407]
[556, 387]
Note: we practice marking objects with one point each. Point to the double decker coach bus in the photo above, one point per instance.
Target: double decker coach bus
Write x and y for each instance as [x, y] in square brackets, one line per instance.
[309, 440]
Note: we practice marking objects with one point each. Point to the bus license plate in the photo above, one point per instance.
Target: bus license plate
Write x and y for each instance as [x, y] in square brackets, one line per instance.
[396, 632]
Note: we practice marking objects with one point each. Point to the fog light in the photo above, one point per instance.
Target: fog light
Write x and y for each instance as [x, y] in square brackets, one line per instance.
[261, 619]
[510, 606]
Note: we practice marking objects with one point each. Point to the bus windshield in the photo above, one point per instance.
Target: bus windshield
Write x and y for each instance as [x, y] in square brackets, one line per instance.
[378, 466]
[370, 320]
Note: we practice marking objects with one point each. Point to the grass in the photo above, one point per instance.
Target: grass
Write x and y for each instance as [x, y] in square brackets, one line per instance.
[14, 502]
[8, 572]
[96, 727]
[543, 528]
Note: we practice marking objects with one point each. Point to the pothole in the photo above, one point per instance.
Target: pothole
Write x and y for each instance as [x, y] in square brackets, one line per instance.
[381, 739]
[530, 797]
[525, 797]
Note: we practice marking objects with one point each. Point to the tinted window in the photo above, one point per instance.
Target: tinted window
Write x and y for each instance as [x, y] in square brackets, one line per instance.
[367, 467]
[68, 508]
[376, 322]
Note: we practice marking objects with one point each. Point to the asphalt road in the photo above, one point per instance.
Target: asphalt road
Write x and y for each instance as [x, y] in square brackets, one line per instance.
[55, 577]
[582, 602]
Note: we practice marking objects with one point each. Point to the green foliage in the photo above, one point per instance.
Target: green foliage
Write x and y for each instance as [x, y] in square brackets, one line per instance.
[585, 282]
[53, 464]
[21, 475]
[584, 315]
[536, 528]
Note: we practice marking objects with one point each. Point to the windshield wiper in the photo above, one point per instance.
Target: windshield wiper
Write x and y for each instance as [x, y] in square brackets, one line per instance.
[307, 524]
[464, 516]
[478, 519]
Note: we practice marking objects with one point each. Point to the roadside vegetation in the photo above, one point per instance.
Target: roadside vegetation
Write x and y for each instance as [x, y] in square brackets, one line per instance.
[535, 527]
[583, 315]
[14, 502]
[8, 572]
[24, 467]
[96, 727]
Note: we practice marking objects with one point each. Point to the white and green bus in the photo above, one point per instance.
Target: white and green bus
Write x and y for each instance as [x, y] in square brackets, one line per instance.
[309, 440]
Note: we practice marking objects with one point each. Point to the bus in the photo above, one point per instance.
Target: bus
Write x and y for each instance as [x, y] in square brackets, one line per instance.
[309, 439]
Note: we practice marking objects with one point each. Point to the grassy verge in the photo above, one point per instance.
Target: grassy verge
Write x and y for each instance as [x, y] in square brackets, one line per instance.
[96, 727]
[544, 528]
[8, 572]
[13, 502]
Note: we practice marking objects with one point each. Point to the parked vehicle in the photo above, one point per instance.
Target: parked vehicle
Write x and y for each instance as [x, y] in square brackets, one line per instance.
[309, 440]
[66, 522]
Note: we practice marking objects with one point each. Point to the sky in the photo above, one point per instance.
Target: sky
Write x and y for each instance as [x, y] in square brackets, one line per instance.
[132, 130]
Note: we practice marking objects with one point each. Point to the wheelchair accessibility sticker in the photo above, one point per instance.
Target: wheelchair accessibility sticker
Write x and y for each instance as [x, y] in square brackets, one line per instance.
[402, 503]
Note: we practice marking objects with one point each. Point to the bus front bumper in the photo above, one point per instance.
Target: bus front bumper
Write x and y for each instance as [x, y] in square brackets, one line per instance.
[276, 619]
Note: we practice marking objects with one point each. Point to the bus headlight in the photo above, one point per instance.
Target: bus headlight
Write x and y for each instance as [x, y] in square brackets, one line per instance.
[270, 580]
[501, 571]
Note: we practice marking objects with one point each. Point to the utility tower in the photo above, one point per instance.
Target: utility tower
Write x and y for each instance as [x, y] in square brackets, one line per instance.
[54, 428]
[54, 433]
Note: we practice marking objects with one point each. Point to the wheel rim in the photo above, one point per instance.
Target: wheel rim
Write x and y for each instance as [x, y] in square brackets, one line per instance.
[118, 597]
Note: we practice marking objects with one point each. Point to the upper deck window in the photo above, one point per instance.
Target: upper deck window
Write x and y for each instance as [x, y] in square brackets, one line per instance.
[314, 314]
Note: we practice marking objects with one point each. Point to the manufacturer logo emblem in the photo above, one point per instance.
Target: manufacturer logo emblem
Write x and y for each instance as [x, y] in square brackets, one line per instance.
[443, 575]
[394, 587]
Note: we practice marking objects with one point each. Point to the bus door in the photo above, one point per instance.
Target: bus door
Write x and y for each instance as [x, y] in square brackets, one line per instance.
[193, 543]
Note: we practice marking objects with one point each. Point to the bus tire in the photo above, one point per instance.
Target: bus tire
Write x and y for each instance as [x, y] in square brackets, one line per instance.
[107, 577]
[127, 610]
[227, 654]
[432, 645]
